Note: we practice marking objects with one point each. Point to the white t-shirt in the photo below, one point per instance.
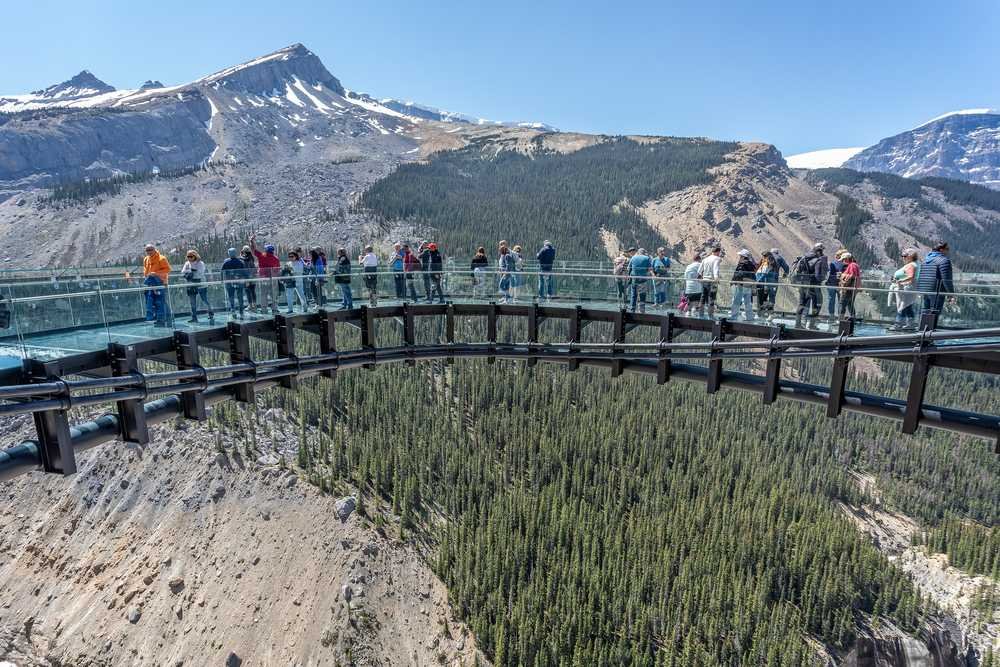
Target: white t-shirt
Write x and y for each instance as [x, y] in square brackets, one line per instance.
[692, 286]
[710, 267]
[369, 260]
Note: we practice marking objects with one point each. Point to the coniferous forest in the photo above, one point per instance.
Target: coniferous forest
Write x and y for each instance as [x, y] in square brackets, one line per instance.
[583, 520]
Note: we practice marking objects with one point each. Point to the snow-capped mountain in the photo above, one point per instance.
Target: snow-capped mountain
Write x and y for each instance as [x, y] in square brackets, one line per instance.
[431, 113]
[963, 145]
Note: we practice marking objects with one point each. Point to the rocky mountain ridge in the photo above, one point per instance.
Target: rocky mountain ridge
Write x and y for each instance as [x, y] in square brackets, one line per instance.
[962, 145]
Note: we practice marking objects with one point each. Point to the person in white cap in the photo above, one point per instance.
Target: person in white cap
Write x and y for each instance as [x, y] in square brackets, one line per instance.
[743, 282]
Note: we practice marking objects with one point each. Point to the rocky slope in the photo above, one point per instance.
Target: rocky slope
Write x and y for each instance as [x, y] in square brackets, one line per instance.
[964, 145]
[202, 549]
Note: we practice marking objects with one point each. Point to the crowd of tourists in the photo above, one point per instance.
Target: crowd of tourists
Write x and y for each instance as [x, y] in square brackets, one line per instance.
[255, 279]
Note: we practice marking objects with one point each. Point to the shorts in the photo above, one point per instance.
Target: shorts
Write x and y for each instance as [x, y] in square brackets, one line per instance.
[709, 294]
[694, 298]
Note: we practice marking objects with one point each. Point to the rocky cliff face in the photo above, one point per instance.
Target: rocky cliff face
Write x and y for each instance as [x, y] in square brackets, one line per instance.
[963, 146]
[202, 549]
[71, 145]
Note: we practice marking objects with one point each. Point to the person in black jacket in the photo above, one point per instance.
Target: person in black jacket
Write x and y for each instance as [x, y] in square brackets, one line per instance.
[934, 280]
[546, 258]
[234, 273]
[432, 262]
[743, 284]
[480, 265]
[342, 277]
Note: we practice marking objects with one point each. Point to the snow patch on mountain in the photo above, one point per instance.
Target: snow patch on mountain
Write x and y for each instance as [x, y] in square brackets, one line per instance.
[961, 112]
[830, 157]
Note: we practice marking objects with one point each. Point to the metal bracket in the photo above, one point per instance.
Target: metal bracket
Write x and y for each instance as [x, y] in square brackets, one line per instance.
[838, 380]
[449, 329]
[327, 339]
[188, 357]
[575, 331]
[714, 378]
[132, 425]
[55, 445]
[912, 413]
[491, 330]
[532, 333]
[772, 374]
[239, 353]
[284, 337]
[666, 337]
[618, 365]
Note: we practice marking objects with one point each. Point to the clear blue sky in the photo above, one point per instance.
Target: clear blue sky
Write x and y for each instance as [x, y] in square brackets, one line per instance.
[800, 74]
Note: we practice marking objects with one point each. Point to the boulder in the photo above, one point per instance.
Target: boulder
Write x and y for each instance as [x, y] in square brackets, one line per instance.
[345, 507]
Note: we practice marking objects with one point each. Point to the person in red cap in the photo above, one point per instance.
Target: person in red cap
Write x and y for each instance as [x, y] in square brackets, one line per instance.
[431, 260]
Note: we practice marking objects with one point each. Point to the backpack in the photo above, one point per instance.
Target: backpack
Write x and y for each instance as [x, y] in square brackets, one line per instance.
[804, 266]
[287, 284]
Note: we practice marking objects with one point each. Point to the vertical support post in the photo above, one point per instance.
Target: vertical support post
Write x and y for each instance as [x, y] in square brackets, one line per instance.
[132, 425]
[666, 336]
[918, 379]
[772, 375]
[714, 379]
[188, 357]
[838, 381]
[533, 333]
[327, 339]
[239, 352]
[491, 329]
[409, 330]
[55, 446]
[449, 329]
[368, 333]
[617, 365]
[575, 332]
[284, 337]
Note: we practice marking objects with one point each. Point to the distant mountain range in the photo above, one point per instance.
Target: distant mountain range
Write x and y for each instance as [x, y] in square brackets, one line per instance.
[962, 145]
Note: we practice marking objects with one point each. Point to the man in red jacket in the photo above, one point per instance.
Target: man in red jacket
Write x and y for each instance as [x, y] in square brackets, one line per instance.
[268, 268]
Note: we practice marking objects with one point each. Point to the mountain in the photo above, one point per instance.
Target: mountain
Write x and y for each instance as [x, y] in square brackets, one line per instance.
[963, 145]
[430, 113]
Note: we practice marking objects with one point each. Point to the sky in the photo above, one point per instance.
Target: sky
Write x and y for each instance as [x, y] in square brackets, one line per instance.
[802, 74]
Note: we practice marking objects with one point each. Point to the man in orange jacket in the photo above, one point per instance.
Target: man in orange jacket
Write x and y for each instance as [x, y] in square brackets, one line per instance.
[156, 272]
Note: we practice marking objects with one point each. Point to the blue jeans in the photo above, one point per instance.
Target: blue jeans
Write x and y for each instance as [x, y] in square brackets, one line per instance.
[546, 284]
[933, 303]
[234, 294]
[831, 300]
[638, 294]
[661, 292]
[347, 301]
[742, 296]
[399, 282]
[157, 307]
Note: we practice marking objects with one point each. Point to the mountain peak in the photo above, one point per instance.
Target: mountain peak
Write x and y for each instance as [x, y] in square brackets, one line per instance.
[81, 85]
[270, 72]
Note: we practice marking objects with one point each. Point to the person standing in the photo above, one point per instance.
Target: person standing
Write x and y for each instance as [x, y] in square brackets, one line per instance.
[319, 275]
[369, 267]
[195, 273]
[433, 265]
[546, 258]
[268, 268]
[620, 270]
[904, 281]
[809, 272]
[294, 272]
[411, 265]
[661, 285]
[833, 282]
[780, 262]
[767, 275]
[850, 283]
[342, 278]
[935, 278]
[396, 266]
[640, 267]
[234, 273]
[711, 268]
[424, 255]
[250, 264]
[744, 277]
[692, 286]
[479, 265]
[517, 277]
[156, 276]
[506, 267]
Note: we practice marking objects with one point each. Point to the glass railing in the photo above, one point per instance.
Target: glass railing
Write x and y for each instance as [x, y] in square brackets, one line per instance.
[47, 320]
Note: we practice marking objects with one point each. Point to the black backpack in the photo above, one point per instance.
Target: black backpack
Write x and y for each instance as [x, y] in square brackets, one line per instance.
[804, 266]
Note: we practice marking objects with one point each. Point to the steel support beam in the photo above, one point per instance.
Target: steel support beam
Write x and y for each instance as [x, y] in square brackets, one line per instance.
[449, 329]
[239, 353]
[55, 446]
[666, 336]
[284, 338]
[533, 331]
[327, 339]
[491, 329]
[618, 365]
[575, 332]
